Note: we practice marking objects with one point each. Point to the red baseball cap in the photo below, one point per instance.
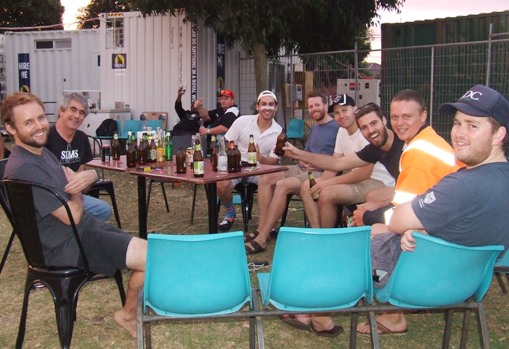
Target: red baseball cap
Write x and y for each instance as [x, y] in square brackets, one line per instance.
[227, 93]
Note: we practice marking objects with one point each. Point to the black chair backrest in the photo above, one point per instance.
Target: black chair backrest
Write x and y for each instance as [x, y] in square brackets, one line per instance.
[21, 201]
[3, 195]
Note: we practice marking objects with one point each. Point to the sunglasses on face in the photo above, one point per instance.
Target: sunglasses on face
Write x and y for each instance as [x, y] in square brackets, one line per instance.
[367, 108]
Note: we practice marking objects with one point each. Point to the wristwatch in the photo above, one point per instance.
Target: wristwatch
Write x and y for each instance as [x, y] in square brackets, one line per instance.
[208, 131]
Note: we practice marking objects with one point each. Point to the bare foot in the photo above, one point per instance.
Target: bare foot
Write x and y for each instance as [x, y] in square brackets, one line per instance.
[126, 323]
[386, 324]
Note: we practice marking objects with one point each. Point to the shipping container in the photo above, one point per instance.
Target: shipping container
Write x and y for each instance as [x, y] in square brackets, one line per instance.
[135, 61]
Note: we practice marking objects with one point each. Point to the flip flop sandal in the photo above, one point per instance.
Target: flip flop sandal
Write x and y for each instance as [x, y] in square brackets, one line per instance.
[252, 247]
[382, 330]
[251, 236]
[290, 320]
[333, 332]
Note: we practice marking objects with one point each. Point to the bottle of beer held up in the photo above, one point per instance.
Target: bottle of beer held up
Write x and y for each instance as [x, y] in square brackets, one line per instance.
[280, 143]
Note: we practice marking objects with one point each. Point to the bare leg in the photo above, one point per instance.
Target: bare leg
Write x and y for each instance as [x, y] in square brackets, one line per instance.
[224, 191]
[266, 186]
[335, 195]
[276, 207]
[310, 206]
[135, 260]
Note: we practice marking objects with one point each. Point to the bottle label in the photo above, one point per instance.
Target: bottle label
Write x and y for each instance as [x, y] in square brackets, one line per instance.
[153, 154]
[222, 163]
[251, 158]
[198, 167]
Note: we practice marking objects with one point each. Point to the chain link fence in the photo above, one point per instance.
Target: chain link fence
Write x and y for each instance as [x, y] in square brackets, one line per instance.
[441, 73]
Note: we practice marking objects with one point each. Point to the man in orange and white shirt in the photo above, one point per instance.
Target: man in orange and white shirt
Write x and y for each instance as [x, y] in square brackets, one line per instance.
[426, 157]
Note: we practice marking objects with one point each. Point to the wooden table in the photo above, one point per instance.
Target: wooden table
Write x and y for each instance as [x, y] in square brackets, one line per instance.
[167, 171]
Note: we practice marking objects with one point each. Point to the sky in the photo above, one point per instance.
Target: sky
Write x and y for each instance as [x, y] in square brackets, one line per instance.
[412, 10]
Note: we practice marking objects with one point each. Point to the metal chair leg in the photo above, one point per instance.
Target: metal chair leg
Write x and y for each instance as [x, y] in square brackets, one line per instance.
[7, 249]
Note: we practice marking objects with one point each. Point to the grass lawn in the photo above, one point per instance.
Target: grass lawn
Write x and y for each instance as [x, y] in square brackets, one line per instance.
[95, 327]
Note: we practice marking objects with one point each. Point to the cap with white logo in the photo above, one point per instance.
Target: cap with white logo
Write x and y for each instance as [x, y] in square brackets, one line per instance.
[480, 101]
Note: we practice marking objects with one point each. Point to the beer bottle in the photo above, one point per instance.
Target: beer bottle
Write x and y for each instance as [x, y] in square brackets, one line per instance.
[212, 146]
[280, 143]
[168, 147]
[143, 150]
[198, 163]
[115, 147]
[160, 150]
[129, 134]
[222, 158]
[231, 157]
[251, 152]
[238, 157]
[347, 217]
[181, 160]
[312, 183]
[131, 152]
[213, 152]
[152, 150]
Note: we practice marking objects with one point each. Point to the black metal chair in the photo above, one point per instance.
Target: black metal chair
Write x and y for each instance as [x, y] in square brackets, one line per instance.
[64, 283]
[3, 162]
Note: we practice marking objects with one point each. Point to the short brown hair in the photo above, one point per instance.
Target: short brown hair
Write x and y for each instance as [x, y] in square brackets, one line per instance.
[318, 94]
[14, 100]
[410, 95]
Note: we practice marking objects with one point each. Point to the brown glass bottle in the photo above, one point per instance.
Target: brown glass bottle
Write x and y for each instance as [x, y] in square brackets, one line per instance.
[251, 152]
[181, 160]
[115, 147]
[152, 153]
[142, 151]
[213, 152]
[232, 158]
[131, 152]
[312, 183]
[280, 143]
[198, 164]
[238, 157]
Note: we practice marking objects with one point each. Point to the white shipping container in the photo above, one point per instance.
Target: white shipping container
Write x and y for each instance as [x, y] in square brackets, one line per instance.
[58, 60]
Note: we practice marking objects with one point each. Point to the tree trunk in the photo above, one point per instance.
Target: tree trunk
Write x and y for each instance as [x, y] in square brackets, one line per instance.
[260, 66]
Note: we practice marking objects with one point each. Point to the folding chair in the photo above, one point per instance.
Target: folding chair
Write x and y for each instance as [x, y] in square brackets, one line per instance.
[445, 276]
[186, 278]
[316, 270]
[501, 269]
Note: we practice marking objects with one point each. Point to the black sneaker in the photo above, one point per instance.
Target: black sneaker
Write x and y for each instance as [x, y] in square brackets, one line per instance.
[225, 224]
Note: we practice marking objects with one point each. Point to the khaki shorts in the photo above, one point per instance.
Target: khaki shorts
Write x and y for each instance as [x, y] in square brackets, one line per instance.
[300, 174]
[361, 189]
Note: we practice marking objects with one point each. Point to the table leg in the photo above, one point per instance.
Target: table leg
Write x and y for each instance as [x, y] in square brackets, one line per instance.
[142, 207]
[211, 190]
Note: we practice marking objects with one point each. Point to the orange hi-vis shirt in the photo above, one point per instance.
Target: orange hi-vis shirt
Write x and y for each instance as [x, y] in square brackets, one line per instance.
[424, 161]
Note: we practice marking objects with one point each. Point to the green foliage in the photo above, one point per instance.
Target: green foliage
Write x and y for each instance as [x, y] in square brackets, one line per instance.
[31, 13]
[88, 16]
[304, 25]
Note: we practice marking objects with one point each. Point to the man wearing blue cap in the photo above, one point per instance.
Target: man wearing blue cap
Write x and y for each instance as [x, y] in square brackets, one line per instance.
[468, 207]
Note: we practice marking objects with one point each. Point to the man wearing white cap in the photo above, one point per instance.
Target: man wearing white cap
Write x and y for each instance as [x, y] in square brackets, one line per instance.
[265, 130]
[467, 207]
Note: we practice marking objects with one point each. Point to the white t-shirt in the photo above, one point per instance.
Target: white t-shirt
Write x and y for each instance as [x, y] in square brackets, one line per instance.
[348, 144]
[246, 125]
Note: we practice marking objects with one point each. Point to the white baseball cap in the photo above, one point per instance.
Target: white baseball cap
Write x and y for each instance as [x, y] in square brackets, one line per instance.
[266, 93]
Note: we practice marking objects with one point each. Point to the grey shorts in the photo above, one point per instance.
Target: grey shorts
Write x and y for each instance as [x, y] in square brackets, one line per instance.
[252, 179]
[300, 173]
[361, 189]
[105, 247]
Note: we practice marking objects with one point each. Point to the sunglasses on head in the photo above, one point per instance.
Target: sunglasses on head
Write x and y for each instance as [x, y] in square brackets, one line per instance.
[227, 93]
[367, 108]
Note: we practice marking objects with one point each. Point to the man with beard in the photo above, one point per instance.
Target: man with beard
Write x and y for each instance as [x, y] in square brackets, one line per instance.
[353, 185]
[72, 148]
[264, 130]
[107, 248]
[468, 207]
[273, 188]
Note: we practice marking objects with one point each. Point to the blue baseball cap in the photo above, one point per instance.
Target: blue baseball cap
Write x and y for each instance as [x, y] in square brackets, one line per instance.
[480, 101]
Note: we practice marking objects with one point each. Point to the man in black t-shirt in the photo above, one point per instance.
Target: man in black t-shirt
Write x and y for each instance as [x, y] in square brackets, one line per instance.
[189, 120]
[72, 149]
[221, 119]
[384, 147]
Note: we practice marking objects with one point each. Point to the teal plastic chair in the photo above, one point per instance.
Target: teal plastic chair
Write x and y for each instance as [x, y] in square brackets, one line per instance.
[501, 269]
[193, 276]
[154, 124]
[439, 274]
[326, 269]
[295, 131]
[133, 125]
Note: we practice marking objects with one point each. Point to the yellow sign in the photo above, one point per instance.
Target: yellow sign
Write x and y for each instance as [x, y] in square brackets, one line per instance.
[119, 61]
[24, 88]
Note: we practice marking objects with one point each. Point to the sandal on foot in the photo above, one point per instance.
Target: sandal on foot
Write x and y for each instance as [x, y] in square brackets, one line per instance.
[253, 247]
[333, 332]
[381, 329]
[251, 236]
[225, 224]
[292, 321]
